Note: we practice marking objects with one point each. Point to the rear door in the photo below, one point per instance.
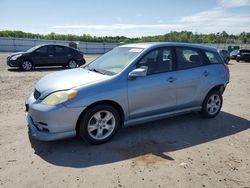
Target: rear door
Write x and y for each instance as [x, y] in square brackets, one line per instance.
[51, 56]
[192, 75]
[60, 55]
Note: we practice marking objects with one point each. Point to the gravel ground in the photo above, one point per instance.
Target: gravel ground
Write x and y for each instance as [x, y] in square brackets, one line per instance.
[184, 151]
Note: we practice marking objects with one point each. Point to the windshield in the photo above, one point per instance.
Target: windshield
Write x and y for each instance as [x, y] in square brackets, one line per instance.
[115, 60]
[234, 52]
[33, 48]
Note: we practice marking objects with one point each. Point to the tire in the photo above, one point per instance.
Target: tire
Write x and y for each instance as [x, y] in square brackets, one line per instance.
[212, 104]
[100, 121]
[237, 60]
[72, 64]
[26, 65]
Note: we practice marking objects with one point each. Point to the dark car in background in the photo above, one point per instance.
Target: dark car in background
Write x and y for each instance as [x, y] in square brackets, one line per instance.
[225, 55]
[243, 55]
[46, 55]
[233, 54]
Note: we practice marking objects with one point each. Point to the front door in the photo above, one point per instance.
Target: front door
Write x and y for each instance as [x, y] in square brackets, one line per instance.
[44, 56]
[156, 92]
[60, 55]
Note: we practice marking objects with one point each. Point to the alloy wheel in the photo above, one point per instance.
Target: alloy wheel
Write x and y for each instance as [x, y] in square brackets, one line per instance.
[101, 125]
[213, 104]
[72, 64]
[26, 65]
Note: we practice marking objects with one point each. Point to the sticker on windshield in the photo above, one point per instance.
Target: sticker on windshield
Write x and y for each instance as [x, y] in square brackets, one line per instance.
[138, 50]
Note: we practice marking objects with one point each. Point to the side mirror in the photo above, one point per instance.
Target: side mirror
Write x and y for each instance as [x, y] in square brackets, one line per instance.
[139, 72]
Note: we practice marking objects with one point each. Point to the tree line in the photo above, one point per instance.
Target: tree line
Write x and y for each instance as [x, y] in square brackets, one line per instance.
[173, 36]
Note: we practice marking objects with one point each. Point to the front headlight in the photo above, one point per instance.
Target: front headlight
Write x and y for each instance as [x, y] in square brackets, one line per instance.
[59, 97]
[15, 57]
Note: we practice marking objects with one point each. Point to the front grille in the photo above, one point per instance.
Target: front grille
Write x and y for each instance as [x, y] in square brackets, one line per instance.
[37, 94]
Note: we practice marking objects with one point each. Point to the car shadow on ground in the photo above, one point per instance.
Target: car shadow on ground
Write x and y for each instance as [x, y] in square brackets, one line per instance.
[244, 62]
[156, 138]
[39, 69]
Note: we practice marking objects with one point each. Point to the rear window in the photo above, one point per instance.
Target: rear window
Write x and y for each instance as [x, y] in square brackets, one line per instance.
[213, 57]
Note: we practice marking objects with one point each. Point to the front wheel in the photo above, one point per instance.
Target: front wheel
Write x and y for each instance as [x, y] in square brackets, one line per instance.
[212, 104]
[99, 124]
[26, 65]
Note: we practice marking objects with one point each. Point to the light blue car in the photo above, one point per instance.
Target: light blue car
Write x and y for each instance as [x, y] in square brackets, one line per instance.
[131, 84]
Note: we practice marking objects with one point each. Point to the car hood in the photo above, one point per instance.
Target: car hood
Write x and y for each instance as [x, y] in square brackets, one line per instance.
[17, 53]
[67, 79]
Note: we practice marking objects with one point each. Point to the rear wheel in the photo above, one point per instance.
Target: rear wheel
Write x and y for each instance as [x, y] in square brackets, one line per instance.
[72, 64]
[26, 65]
[99, 124]
[212, 104]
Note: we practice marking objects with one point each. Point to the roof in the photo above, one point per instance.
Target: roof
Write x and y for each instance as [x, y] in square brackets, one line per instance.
[162, 44]
[50, 44]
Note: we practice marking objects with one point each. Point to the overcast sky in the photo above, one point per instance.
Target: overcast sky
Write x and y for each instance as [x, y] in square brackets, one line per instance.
[132, 18]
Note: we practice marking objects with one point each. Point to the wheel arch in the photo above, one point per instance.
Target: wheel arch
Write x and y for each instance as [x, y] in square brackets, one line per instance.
[27, 59]
[116, 105]
[219, 87]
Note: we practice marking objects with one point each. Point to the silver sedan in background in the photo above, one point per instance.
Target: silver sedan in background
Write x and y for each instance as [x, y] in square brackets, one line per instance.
[131, 84]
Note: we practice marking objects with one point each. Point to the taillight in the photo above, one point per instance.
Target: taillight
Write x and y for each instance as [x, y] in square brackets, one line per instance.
[226, 67]
[82, 55]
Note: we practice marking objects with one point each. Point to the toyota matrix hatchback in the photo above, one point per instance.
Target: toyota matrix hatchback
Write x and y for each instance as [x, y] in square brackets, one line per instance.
[131, 84]
[46, 55]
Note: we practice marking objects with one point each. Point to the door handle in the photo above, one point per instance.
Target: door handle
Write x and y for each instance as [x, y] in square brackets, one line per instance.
[51, 55]
[171, 79]
[206, 73]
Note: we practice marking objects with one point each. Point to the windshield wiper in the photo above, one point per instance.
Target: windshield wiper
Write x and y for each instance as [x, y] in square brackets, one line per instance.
[95, 70]
[86, 67]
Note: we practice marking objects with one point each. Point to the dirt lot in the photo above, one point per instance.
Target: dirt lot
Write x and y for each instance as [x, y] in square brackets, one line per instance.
[184, 151]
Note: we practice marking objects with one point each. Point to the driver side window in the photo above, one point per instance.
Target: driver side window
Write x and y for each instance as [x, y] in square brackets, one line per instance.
[157, 61]
[43, 50]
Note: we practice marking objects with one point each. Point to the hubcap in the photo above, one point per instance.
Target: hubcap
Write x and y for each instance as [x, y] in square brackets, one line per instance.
[213, 104]
[101, 125]
[27, 65]
[72, 64]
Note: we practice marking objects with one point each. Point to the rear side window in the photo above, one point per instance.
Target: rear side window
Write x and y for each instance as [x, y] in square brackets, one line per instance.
[213, 57]
[59, 50]
[188, 58]
[51, 49]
